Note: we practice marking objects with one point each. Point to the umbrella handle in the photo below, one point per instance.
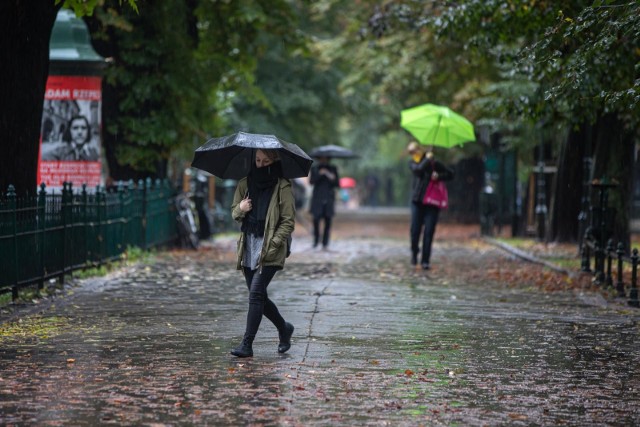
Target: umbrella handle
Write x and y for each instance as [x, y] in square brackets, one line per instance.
[438, 128]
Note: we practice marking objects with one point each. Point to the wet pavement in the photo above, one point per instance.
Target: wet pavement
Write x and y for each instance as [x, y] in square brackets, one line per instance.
[376, 343]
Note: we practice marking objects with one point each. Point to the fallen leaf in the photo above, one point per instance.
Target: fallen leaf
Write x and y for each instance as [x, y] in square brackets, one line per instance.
[517, 416]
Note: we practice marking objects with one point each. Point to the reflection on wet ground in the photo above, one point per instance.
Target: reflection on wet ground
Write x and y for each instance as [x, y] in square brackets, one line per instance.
[149, 346]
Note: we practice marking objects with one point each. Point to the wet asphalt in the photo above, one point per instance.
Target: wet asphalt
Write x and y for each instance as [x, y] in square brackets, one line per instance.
[376, 343]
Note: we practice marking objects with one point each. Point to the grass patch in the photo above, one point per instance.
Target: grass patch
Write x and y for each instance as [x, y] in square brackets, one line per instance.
[33, 327]
[30, 293]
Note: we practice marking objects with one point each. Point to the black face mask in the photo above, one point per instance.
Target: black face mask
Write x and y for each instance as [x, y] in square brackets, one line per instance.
[261, 184]
[266, 176]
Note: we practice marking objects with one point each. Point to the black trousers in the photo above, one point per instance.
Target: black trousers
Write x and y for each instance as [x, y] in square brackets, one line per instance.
[326, 232]
[423, 216]
[259, 302]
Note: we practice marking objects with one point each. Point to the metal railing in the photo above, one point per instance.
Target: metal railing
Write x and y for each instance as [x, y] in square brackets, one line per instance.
[49, 235]
[604, 257]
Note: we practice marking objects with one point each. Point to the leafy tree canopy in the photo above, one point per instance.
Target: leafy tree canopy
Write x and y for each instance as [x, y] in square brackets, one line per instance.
[176, 66]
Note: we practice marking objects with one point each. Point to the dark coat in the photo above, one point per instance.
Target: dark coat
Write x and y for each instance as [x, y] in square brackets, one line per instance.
[324, 195]
[422, 175]
[278, 226]
[70, 152]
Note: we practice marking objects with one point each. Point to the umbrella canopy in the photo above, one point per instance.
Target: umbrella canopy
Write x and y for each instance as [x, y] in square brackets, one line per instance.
[347, 182]
[231, 156]
[437, 125]
[334, 151]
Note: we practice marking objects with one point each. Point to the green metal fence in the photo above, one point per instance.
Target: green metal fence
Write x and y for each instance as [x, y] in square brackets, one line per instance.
[47, 235]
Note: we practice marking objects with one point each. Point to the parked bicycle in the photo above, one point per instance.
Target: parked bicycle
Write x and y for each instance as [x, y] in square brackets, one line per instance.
[187, 219]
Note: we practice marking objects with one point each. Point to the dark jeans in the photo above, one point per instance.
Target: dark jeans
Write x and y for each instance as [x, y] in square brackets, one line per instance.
[423, 216]
[316, 230]
[259, 302]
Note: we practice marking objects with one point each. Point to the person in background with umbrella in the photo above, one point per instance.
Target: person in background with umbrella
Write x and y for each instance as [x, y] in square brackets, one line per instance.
[424, 168]
[324, 178]
[264, 204]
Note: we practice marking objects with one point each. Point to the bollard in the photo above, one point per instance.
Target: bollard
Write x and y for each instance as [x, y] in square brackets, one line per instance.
[633, 294]
[620, 283]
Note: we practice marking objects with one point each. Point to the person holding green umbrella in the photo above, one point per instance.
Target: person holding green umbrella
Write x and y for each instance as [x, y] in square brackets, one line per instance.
[437, 125]
[424, 216]
[434, 125]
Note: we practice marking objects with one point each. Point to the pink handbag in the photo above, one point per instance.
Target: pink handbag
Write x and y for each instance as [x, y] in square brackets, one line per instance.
[436, 194]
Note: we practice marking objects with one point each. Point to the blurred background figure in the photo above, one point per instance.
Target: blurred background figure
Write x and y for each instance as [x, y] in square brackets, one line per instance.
[324, 178]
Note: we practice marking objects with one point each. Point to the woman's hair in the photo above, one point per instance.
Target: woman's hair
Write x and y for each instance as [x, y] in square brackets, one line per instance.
[414, 146]
[66, 136]
[271, 154]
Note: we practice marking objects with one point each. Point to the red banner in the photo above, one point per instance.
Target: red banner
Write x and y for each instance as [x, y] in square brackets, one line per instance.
[70, 139]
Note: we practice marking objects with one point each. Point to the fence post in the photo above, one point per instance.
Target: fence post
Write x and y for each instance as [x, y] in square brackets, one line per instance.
[142, 195]
[130, 240]
[13, 206]
[609, 276]
[66, 196]
[598, 262]
[101, 208]
[585, 264]
[85, 226]
[620, 283]
[121, 219]
[42, 217]
[633, 294]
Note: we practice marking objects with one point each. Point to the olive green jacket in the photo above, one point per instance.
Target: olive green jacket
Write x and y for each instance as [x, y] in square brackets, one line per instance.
[278, 226]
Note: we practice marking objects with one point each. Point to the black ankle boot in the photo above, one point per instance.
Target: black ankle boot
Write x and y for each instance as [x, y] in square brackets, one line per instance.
[245, 348]
[285, 337]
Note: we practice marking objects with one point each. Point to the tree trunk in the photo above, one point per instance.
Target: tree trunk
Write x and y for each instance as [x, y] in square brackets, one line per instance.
[613, 159]
[567, 189]
[24, 67]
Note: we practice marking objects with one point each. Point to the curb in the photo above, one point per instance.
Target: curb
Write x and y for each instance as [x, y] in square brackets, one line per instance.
[528, 257]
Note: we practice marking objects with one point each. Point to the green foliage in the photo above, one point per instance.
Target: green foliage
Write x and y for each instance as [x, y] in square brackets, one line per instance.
[526, 69]
[86, 7]
[583, 57]
[176, 66]
[301, 103]
[590, 62]
[160, 105]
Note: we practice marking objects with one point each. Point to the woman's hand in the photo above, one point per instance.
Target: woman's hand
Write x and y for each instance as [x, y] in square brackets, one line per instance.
[434, 175]
[245, 204]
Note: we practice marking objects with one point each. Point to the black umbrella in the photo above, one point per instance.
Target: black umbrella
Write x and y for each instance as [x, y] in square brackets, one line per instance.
[333, 151]
[230, 157]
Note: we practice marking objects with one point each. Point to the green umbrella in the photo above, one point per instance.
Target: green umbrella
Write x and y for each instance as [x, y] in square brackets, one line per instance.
[436, 125]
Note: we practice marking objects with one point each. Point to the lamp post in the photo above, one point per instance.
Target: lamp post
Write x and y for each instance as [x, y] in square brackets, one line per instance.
[583, 216]
[541, 199]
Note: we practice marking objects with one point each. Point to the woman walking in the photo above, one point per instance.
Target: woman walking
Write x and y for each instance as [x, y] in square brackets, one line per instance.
[263, 203]
[424, 217]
